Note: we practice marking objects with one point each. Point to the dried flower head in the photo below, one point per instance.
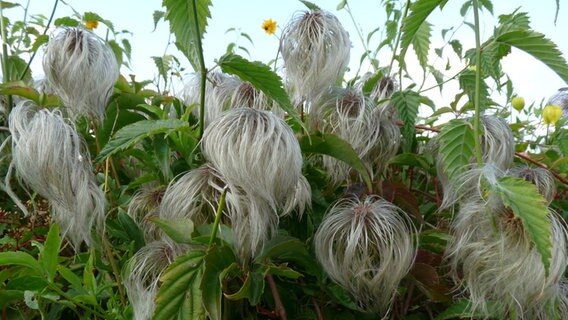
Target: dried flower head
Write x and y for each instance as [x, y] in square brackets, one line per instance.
[491, 256]
[82, 69]
[143, 206]
[269, 26]
[51, 158]
[315, 48]
[367, 247]
[551, 114]
[247, 96]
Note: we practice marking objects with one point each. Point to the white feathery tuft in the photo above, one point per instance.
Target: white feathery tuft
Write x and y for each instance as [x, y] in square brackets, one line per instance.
[81, 68]
[367, 247]
[51, 158]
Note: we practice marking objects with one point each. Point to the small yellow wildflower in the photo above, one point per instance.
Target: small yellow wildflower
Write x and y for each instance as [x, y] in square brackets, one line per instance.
[91, 24]
[269, 26]
[551, 114]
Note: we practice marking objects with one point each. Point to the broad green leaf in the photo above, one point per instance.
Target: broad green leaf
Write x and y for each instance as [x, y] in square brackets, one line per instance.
[20, 258]
[461, 309]
[421, 43]
[413, 160]
[310, 5]
[50, 253]
[530, 206]
[179, 293]
[163, 64]
[16, 67]
[72, 278]
[10, 296]
[217, 260]
[130, 135]
[457, 147]
[419, 12]
[157, 16]
[66, 21]
[262, 78]
[467, 83]
[407, 103]
[188, 31]
[252, 288]
[333, 146]
[132, 230]
[538, 46]
[178, 229]
[19, 88]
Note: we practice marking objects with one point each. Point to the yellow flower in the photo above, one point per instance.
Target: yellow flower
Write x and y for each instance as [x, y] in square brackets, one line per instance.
[551, 114]
[91, 24]
[269, 26]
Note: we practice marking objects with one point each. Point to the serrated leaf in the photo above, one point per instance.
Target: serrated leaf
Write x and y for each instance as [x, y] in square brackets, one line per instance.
[262, 78]
[189, 32]
[310, 5]
[538, 46]
[157, 16]
[50, 252]
[406, 103]
[39, 41]
[467, 83]
[19, 258]
[178, 229]
[421, 43]
[131, 134]
[217, 260]
[66, 21]
[179, 292]
[333, 146]
[163, 65]
[457, 147]
[530, 206]
[419, 12]
[132, 230]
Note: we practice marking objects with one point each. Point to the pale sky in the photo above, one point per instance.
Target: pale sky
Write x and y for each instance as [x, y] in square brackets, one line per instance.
[532, 79]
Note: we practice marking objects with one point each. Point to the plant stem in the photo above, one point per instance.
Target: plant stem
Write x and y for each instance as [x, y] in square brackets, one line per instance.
[115, 269]
[5, 71]
[44, 33]
[202, 71]
[477, 98]
[398, 36]
[218, 215]
[277, 300]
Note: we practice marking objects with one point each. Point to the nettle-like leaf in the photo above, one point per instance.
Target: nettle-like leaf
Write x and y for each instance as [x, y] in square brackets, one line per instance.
[407, 103]
[538, 46]
[130, 135]
[457, 147]
[412, 24]
[333, 146]
[217, 261]
[189, 32]
[179, 296]
[421, 43]
[163, 64]
[310, 5]
[530, 206]
[467, 84]
[261, 77]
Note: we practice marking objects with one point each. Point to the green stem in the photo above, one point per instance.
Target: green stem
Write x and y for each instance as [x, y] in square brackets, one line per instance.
[44, 33]
[367, 51]
[5, 71]
[202, 71]
[477, 98]
[218, 215]
[398, 36]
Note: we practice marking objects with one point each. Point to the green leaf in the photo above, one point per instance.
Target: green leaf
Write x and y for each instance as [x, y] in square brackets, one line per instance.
[217, 260]
[457, 147]
[178, 229]
[157, 16]
[50, 252]
[20, 258]
[333, 146]
[419, 12]
[179, 294]
[538, 46]
[89, 281]
[262, 78]
[189, 32]
[19, 88]
[407, 103]
[131, 134]
[341, 5]
[66, 21]
[163, 65]
[10, 296]
[421, 43]
[132, 230]
[310, 5]
[72, 278]
[530, 206]
[467, 83]
[462, 309]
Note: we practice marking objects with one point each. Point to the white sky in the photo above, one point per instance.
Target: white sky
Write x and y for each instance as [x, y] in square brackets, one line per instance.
[532, 79]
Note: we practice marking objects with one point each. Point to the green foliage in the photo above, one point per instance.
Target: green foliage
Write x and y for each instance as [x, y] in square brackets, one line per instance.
[529, 205]
[407, 103]
[457, 143]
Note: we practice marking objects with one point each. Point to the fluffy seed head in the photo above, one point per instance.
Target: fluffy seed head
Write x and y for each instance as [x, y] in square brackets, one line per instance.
[82, 69]
[367, 247]
[315, 48]
[247, 96]
[145, 205]
[51, 158]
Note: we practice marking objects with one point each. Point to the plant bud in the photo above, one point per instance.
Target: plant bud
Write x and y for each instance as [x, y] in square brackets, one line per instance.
[551, 114]
[82, 69]
[518, 103]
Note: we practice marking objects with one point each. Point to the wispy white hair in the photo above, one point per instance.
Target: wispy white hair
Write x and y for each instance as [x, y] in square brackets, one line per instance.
[82, 69]
[219, 88]
[383, 88]
[493, 260]
[315, 48]
[498, 147]
[142, 275]
[247, 96]
[367, 127]
[367, 247]
[540, 177]
[52, 159]
[145, 205]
